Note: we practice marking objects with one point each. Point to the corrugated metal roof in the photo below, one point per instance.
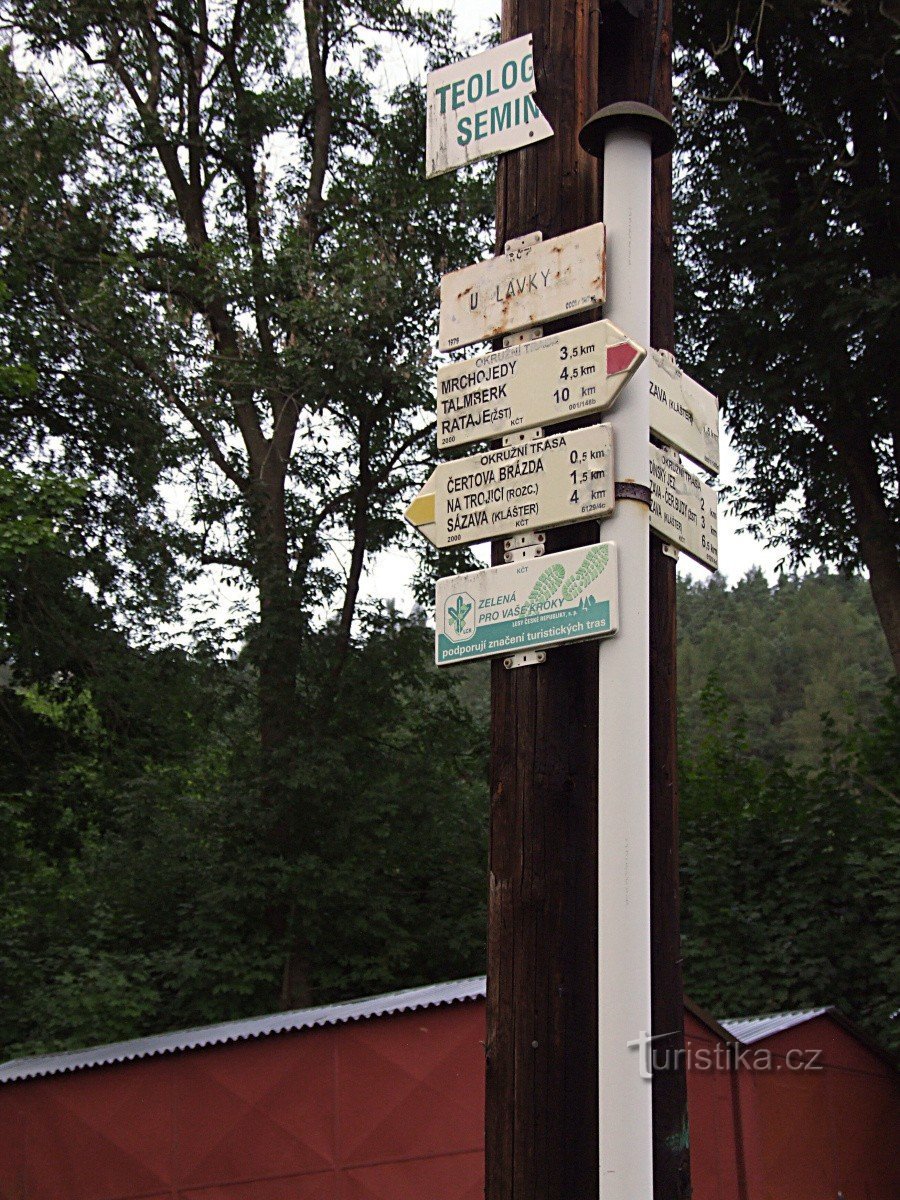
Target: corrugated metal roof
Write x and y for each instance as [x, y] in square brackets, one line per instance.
[754, 1029]
[239, 1031]
[745, 1029]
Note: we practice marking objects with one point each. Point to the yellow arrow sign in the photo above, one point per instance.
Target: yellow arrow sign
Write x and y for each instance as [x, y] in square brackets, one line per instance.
[537, 484]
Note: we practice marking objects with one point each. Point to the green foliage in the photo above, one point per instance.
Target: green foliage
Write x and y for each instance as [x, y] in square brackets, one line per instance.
[71, 408]
[789, 761]
[220, 256]
[789, 874]
[788, 228]
[33, 510]
[202, 300]
[782, 656]
[141, 888]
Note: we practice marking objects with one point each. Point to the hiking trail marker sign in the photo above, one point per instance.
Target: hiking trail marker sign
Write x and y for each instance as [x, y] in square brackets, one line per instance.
[682, 413]
[555, 480]
[527, 605]
[537, 383]
[482, 106]
[531, 282]
[683, 508]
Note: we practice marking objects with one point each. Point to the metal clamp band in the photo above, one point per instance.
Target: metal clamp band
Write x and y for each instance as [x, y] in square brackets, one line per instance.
[633, 491]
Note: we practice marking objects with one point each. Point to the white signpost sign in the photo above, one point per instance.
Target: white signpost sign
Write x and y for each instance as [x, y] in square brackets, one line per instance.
[556, 480]
[683, 508]
[525, 286]
[527, 605]
[482, 106]
[682, 413]
[542, 382]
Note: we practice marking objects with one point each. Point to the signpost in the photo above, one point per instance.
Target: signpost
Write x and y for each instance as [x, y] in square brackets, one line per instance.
[583, 766]
[527, 605]
[482, 106]
[683, 508]
[683, 414]
[531, 282]
[530, 485]
[541, 382]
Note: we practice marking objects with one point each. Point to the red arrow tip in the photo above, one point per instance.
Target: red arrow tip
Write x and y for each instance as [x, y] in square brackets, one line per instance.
[619, 358]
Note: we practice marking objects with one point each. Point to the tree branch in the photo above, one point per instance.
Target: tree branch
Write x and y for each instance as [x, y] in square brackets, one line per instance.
[322, 124]
[203, 431]
[189, 200]
[245, 168]
[360, 532]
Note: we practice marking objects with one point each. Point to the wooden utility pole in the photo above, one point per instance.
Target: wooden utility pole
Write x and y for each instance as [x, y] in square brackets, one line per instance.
[542, 1119]
[541, 1127]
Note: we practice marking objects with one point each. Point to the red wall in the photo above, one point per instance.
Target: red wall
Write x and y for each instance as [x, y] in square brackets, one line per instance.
[392, 1108]
[820, 1133]
[715, 1163]
[389, 1108]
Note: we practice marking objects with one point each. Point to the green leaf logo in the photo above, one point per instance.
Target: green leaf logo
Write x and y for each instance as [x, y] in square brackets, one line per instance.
[458, 613]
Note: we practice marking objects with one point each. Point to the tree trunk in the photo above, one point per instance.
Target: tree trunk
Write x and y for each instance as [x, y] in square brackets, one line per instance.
[275, 651]
[275, 648]
[875, 528]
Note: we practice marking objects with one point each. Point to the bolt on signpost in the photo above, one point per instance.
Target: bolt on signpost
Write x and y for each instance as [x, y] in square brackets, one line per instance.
[571, 747]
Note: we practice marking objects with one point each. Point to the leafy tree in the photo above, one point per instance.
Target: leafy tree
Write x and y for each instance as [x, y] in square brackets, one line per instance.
[783, 656]
[790, 238]
[142, 887]
[789, 874]
[139, 877]
[222, 262]
[253, 249]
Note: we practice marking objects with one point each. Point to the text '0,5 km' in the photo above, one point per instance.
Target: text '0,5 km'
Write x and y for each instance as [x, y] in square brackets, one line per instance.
[556, 480]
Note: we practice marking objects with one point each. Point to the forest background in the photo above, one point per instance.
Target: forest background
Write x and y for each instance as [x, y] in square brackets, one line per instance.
[218, 262]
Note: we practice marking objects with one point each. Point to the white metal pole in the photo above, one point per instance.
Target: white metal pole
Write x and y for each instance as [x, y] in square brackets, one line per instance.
[626, 1146]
